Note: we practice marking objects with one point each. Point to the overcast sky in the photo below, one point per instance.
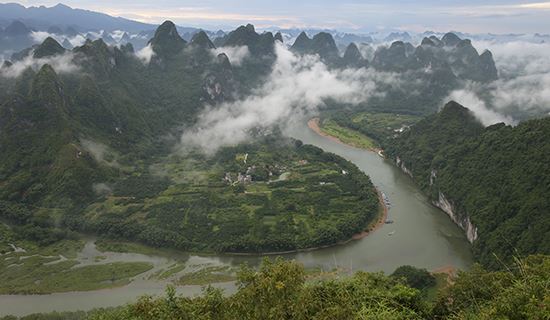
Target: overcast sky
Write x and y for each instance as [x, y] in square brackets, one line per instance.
[495, 16]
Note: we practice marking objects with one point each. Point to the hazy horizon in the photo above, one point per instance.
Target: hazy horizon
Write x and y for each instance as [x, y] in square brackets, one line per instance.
[495, 16]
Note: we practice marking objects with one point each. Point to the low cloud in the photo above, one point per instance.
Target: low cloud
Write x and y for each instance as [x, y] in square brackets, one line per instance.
[529, 94]
[63, 63]
[146, 54]
[102, 189]
[470, 100]
[100, 152]
[524, 71]
[40, 36]
[236, 55]
[296, 87]
[117, 35]
[518, 58]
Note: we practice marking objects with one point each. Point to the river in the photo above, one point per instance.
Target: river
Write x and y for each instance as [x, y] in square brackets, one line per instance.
[421, 235]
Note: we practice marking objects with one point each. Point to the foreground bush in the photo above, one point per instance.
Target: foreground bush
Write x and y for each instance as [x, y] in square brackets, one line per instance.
[278, 290]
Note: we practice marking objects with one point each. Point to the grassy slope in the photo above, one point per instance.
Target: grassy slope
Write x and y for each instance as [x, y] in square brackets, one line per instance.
[366, 130]
[347, 135]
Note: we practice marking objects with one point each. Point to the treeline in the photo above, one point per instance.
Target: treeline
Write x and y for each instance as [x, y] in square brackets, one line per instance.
[28, 224]
[498, 176]
[279, 290]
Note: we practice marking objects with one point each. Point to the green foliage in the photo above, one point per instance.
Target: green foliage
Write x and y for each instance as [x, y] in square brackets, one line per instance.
[346, 135]
[497, 176]
[380, 127]
[278, 291]
[297, 197]
[415, 277]
[119, 103]
[518, 292]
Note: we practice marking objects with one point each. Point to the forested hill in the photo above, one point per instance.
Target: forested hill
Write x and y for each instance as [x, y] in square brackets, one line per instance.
[497, 176]
[87, 138]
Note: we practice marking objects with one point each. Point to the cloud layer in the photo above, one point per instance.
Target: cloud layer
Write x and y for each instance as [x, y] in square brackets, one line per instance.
[236, 55]
[470, 100]
[146, 54]
[40, 36]
[63, 63]
[523, 90]
[296, 87]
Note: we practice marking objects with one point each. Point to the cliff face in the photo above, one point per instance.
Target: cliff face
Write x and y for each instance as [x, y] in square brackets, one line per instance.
[443, 203]
[462, 220]
[402, 166]
[422, 153]
[494, 182]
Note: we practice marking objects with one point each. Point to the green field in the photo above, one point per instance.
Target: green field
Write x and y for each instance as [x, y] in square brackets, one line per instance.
[378, 128]
[347, 135]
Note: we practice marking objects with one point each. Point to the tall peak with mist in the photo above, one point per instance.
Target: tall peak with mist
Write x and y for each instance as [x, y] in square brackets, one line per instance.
[201, 40]
[427, 42]
[223, 61]
[457, 118]
[258, 44]
[450, 39]
[50, 47]
[393, 58]
[167, 40]
[323, 44]
[487, 64]
[353, 57]
[302, 43]
[242, 36]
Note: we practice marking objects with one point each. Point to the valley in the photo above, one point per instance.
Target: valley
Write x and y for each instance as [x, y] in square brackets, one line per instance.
[423, 236]
[234, 174]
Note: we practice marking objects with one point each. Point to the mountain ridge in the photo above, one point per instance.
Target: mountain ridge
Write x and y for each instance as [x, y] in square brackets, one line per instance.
[468, 169]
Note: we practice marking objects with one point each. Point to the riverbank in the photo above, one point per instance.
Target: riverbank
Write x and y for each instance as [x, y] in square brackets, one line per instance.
[379, 222]
[449, 271]
[315, 125]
